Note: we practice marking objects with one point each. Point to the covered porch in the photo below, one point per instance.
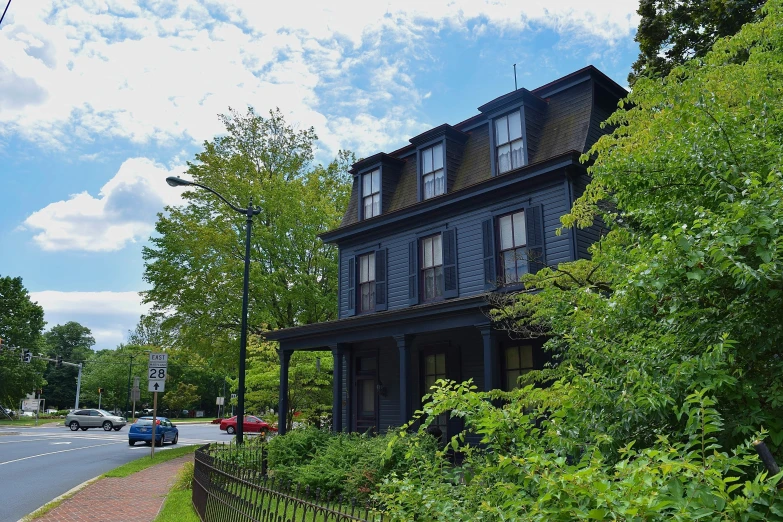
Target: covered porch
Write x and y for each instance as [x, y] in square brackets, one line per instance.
[385, 362]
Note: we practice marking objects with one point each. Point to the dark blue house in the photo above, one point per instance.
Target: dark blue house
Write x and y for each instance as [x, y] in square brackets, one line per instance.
[463, 210]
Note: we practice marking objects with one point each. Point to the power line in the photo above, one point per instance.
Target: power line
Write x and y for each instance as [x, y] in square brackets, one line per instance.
[6, 10]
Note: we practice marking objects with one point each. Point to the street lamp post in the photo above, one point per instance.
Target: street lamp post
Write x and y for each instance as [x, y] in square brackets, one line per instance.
[251, 211]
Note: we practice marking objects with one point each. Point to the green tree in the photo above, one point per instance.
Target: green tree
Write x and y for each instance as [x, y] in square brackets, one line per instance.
[195, 261]
[73, 342]
[182, 397]
[21, 325]
[673, 31]
[110, 370]
[149, 332]
[667, 341]
[309, 383]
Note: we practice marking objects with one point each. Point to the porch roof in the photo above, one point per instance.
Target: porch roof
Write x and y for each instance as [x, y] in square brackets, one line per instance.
[428, 317]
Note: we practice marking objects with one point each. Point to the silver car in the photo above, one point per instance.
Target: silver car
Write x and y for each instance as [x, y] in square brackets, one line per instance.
[92, 418]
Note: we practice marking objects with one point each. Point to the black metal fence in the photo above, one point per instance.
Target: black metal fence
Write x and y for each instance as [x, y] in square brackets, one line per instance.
[230, 484]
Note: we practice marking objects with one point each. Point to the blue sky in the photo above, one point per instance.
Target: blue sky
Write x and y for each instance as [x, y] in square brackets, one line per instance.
[100, 100]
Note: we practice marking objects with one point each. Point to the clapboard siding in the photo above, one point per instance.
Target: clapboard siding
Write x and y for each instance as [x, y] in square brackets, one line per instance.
[388, 378]
[552, 199]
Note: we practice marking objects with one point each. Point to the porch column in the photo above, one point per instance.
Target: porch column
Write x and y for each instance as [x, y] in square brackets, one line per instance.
[491, 367]
[404, 344]
[285, 358]
[337, 388]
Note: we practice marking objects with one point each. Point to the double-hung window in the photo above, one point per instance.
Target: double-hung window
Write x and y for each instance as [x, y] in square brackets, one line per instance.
[432, 267]
[367, 282]
[509, 144]
[518, 361]
[371, 194]
[432, 173]
[513, 243]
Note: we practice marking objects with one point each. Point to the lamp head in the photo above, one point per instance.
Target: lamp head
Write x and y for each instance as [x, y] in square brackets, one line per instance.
[176, 181]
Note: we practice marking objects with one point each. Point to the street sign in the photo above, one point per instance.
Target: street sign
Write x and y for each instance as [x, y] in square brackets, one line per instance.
[220, 401]
[30, 404]
[157, 369]
[233, 395]
[135, 394]
[158, 360]
[136, 382]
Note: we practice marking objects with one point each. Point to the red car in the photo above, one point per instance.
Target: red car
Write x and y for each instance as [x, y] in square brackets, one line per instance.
[251, 425]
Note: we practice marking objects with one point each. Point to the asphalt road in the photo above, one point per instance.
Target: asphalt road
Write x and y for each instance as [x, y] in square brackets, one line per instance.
[40, 464]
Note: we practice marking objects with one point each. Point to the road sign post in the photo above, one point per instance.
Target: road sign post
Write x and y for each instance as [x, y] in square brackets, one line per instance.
[157, 369]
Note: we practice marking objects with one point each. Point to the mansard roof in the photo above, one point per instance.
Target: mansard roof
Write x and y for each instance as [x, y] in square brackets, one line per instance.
[562, 119]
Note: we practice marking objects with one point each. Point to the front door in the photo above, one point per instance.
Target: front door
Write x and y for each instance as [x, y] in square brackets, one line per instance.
[434, 369]
[366, 394]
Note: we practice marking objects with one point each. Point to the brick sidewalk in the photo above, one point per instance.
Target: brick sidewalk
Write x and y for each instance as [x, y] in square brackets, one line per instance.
[135, 498]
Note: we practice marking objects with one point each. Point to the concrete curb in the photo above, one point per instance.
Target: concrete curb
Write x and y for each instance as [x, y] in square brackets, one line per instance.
[68, 494]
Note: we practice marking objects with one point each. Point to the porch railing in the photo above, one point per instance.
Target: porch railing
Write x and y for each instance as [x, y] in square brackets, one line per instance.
[230, 485]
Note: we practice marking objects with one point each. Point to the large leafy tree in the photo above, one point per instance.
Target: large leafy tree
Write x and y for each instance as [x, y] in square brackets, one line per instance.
[195, 261]
[112, 370]
[21, 326]
[673, 31]
[73, 342]
[667, 340]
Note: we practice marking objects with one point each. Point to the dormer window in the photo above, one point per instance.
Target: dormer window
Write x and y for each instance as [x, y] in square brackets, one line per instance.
[432, 176]
[509, 144]
[371, 194]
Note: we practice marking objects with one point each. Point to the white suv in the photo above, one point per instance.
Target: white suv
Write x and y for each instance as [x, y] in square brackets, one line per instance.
[84, 419]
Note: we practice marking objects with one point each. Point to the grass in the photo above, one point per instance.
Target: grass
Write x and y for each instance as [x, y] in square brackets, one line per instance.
[178, 504]
[27, 421]
[145, 462]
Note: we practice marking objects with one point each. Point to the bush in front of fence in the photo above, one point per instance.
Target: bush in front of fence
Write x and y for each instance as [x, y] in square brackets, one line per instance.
[353, 465]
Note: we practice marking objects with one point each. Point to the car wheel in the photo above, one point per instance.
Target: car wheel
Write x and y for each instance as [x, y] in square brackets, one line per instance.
[84, 429]
[131, 443]
[74, 426]
[118, 428]
[176, 438]
[107, 426]
[148, 443]
[230, 430]
[159, 442]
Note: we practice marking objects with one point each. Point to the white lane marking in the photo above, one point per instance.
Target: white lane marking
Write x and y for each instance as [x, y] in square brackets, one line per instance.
[53, 452]
[56, 443]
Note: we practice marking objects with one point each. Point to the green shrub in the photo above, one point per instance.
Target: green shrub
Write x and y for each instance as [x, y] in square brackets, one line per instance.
[349, 464]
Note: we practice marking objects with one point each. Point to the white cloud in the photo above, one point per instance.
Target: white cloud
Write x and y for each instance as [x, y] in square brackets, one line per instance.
[109, 315]
[124, 211]
[161, 72]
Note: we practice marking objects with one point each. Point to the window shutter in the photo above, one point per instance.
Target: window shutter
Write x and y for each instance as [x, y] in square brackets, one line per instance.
[488, 238]
[413, 272]
[535, 238]
[380, 280]
[351, 309]
[449, 244]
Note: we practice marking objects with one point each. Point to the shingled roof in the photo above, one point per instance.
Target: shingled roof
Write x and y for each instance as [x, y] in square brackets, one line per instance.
[561, 116]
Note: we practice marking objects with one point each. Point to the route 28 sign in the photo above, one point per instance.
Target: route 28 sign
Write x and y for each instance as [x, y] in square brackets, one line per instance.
[157, 369]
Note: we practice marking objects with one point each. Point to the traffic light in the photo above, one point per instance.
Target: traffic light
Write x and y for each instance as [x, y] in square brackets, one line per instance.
[100, 391]
[59, 361]
[27, 356]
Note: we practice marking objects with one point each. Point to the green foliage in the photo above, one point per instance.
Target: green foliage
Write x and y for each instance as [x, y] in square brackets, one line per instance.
[349, 464]
[182, 397]
[671, 32]
[667, 341]
[21, 325]
[309, 383]
[196, 260]
[73, 342]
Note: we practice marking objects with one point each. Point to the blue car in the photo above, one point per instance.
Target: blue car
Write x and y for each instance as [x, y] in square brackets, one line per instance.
[141, 431]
